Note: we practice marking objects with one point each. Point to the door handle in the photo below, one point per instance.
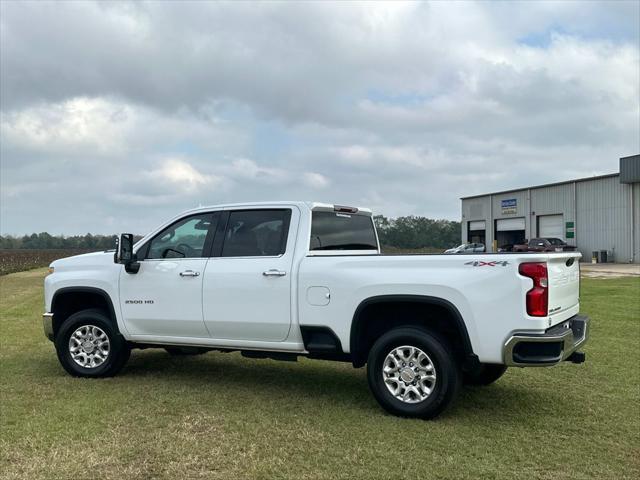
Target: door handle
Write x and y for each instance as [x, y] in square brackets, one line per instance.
[274, 273]
[189, 273]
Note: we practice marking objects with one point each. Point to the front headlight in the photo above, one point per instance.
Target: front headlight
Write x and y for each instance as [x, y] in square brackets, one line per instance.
[51, 269]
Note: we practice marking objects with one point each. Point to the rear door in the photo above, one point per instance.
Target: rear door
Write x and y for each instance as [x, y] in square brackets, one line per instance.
[247, 283]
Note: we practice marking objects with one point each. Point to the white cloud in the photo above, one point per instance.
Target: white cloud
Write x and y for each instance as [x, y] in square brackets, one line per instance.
[354, 154]
[181, 174]
[315, 180]
[77, 123]
[247, 169]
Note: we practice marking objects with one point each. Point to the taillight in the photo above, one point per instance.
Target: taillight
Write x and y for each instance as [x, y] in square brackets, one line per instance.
[538, 296]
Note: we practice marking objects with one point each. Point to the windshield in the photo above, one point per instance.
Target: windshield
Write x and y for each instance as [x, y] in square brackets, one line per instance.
[555, 241]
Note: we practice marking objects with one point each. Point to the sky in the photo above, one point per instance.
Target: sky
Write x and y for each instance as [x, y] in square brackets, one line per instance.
[116, 116]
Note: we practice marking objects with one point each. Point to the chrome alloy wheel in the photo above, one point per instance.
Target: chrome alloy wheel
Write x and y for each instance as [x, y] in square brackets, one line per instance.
[89, 346]
[409, 374]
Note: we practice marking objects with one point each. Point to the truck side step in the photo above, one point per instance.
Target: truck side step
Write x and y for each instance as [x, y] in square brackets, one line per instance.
[283, 356]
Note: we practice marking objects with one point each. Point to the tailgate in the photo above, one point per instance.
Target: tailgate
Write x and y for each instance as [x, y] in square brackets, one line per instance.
[564, 282]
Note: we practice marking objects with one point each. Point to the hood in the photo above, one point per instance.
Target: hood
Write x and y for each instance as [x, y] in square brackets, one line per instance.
[84, 260]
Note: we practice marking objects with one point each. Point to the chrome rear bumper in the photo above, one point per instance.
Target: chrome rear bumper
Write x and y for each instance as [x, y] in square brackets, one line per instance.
[47, 324]
[550, 348]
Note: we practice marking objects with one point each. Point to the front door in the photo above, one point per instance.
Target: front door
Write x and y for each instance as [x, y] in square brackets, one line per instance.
[165, 297]
[247, 283]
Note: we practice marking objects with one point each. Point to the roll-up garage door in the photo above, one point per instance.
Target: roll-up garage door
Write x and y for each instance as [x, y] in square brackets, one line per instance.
[510, 224]
[477, 225]
[551, 226]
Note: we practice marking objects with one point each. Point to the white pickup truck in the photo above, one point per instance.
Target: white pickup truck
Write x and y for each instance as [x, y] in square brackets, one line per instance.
[284, 279]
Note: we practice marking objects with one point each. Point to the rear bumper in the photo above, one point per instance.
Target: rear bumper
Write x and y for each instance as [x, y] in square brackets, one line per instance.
[549, 348]
[47, 324]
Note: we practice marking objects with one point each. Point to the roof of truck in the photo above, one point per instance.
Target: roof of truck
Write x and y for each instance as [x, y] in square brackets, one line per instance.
[298, 203]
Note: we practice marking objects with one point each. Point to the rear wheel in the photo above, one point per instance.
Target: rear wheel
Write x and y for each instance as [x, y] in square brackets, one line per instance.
[412, 373]
[88, 345]
[485, 374]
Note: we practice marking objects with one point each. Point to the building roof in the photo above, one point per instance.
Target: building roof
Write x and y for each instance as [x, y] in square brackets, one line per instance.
[566, 182]
[630, 169]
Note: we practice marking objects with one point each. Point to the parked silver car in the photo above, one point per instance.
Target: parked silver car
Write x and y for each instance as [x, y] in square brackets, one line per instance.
[467, 248]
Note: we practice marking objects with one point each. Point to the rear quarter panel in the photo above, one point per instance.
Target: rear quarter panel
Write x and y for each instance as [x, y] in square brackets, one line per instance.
[486, 289]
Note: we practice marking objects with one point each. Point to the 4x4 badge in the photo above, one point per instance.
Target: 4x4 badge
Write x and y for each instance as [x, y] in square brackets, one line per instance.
[478, 263]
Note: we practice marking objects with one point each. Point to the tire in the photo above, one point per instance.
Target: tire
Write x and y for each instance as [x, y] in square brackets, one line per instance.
[86, 326]
[485, 374]
[438, 391]
[182, 351]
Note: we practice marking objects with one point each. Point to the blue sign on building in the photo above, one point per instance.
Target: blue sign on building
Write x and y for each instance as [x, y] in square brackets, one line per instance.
[509, 206]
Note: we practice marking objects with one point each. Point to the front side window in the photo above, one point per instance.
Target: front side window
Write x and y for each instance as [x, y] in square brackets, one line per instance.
[184, 239]
[341, 231]
[256, 233]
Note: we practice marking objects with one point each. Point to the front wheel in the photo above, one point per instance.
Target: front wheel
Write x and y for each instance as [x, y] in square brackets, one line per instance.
[412, 373]
[88, 345]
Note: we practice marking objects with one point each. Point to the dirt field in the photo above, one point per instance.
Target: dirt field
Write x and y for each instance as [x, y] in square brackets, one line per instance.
[17, 260]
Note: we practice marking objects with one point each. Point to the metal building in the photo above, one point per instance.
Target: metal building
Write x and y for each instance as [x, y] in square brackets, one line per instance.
[595, 214]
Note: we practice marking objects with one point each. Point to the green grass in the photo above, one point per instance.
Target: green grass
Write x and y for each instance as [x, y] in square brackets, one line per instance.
[223, 416]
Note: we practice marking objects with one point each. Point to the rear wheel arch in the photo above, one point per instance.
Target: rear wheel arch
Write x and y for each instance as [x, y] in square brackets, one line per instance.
[432, 313]
[69, 300]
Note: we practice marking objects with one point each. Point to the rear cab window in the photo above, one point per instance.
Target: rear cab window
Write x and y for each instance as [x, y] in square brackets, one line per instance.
[333, 232]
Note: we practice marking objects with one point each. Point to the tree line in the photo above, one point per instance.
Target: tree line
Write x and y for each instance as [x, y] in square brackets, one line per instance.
[45, 241]
[415, 232]
[410, 232]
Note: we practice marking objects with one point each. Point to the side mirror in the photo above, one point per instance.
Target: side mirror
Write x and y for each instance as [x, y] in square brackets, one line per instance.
[124, 253]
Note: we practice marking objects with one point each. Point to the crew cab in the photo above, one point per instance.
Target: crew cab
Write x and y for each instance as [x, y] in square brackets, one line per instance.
[288, 279]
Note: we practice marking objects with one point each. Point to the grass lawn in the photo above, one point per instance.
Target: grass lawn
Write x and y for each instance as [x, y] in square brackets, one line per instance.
[223, 416]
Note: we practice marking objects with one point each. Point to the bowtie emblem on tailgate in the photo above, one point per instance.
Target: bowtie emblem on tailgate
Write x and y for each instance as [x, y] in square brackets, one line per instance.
[478, 263]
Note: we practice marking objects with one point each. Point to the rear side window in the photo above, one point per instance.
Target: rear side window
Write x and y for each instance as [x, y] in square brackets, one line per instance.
[342, 231]
[256, 233]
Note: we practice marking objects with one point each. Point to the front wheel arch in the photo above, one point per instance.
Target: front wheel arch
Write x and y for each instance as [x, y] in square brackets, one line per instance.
[67, 301]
